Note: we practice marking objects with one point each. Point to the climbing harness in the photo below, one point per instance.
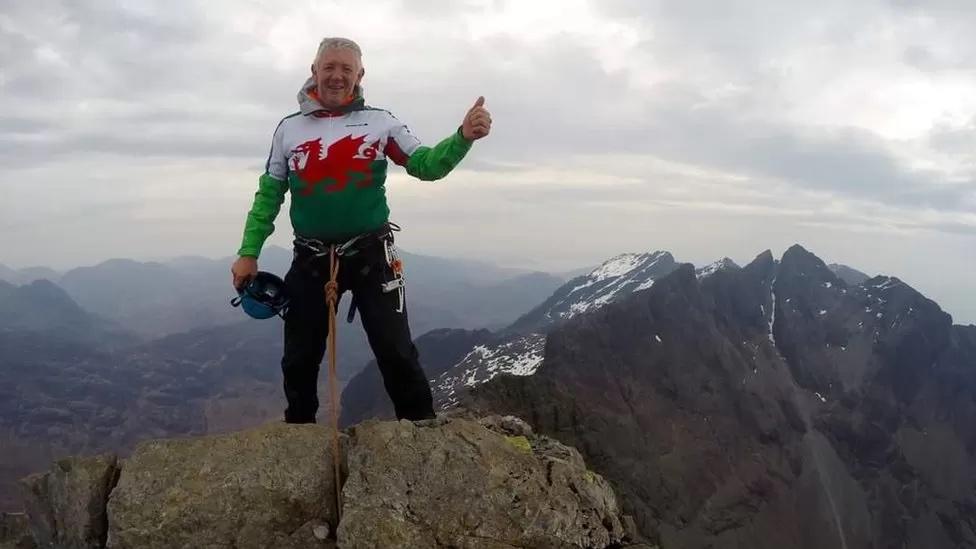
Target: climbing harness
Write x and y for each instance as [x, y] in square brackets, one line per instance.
[355, 245]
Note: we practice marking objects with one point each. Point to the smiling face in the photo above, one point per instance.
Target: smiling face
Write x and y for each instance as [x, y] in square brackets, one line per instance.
[337, 72]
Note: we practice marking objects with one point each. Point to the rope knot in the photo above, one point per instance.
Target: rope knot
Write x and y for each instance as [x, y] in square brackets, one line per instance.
[332, 292]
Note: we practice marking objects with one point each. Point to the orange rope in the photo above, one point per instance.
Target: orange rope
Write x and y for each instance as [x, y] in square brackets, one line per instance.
[332, 297]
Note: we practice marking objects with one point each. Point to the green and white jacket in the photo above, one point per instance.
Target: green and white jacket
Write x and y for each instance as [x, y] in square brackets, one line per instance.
[334, 163]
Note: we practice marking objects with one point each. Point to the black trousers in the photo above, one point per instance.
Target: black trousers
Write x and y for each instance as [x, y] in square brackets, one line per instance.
[307, 327]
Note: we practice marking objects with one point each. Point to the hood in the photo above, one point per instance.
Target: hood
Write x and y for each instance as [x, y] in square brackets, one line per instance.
[309, 104]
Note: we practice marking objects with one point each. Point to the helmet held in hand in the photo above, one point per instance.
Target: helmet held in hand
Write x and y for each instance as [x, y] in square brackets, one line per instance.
[264, 296]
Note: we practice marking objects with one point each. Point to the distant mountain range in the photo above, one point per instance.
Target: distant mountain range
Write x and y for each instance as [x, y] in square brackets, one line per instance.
[102, 357]
[784, 403]
[155, 299]
[44, 308]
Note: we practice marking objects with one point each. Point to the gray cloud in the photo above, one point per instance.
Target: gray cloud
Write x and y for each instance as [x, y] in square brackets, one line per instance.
[846, 161]
[672, 124]
[938, 8]
[955, 139]
[24, 125]
[99, 77]
[926, 59]
[157, 72]
[93, 92]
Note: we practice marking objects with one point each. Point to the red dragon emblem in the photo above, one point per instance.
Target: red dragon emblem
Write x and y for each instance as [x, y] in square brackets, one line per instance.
[347, 160]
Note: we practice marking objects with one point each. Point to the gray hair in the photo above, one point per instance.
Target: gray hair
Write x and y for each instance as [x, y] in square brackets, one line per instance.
[337, 42]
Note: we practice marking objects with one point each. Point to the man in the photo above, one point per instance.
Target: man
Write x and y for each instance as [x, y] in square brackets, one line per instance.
[332, 156]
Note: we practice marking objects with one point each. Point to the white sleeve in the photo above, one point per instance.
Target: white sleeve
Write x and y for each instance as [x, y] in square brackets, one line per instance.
[277, 164]
[401, 143]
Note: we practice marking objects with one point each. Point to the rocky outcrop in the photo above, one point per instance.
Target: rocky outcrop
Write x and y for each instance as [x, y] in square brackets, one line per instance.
[462, 485]
[66, 505]
[451, 482]
[267, 487]
[15, 532]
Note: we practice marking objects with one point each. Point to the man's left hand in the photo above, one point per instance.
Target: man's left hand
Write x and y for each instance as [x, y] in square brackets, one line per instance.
[477, 123]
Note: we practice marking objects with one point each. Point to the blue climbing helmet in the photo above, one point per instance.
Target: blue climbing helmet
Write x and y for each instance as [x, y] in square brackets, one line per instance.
[264, 296]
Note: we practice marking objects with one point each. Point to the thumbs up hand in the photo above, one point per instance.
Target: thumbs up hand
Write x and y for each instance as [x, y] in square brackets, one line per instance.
[477, 122]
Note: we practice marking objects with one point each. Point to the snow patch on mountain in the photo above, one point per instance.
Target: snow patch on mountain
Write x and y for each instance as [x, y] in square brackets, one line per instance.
[615, 268]
[887, 283]
[617, 277]
[712, 268]
[644, 285]
[520, 356]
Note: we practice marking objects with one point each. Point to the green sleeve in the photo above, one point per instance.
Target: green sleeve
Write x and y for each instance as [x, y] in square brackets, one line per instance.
[428, 163]
[260, 220]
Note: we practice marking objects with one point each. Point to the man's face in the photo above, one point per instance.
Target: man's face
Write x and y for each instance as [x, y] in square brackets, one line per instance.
[337, 72]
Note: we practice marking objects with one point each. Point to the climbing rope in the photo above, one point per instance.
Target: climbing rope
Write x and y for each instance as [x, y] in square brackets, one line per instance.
[332, 298]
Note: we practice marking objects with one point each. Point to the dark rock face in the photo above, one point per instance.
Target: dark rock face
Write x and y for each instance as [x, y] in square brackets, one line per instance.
[769, 406]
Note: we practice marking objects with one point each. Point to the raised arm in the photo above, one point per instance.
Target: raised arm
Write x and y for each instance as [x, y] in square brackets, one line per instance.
[432, 163]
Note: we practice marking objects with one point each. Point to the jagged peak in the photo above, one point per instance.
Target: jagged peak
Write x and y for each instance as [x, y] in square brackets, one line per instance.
[798, 261]
[797, 249]
[721, 265]
[887, 287]
[614, 279]
[763, 263]
[622, 264]
[622, 267]
[798, 255]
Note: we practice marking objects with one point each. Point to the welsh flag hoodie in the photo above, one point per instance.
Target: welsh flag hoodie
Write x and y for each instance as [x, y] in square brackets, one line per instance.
[334, 164]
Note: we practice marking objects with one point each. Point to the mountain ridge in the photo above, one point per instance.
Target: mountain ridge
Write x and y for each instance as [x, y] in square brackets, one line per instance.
[830, 385]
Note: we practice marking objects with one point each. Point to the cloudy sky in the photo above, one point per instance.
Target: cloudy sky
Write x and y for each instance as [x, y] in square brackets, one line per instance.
[710, 129]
